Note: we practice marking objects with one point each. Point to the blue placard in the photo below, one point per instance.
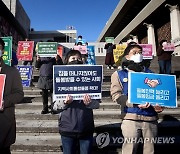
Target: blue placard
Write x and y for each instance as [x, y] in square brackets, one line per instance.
[153, 88]
[91, 60]
[26, 75]
[77, 80]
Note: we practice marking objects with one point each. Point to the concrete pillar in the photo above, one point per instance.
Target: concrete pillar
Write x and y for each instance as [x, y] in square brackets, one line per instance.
[151, 37]
[175, 27]
[135, 39]
[175, 21]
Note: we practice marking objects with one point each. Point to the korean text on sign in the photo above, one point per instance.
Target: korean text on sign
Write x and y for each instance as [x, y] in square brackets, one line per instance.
[77, 81]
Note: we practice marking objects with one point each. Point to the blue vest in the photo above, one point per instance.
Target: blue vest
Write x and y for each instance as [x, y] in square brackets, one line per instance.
[123, 77]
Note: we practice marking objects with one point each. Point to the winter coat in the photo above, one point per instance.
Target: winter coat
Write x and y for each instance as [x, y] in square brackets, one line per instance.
[45, 80]
[76, 119]
[163, 55]
[13, 93]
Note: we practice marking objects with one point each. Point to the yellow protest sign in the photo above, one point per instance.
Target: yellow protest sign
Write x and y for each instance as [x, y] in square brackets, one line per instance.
[118, 52]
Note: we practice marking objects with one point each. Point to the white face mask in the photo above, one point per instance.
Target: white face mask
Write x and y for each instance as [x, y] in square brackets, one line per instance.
[1, 53]
[137, 58]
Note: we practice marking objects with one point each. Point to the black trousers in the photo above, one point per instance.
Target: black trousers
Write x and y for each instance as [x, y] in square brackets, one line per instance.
[5, 150]
[45, 94]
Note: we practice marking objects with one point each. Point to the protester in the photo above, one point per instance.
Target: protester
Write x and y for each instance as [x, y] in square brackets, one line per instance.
[76, 122]
[13, 93]
[123, 58]
[109, 59]
[45, 81]
[59, 60]
[84, 58]
[137, 119]
[164, 58]
[146, 62]
[80, 41]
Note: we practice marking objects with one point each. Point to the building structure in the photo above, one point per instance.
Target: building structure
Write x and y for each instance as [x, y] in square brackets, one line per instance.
[64, 36]
[19, 13]
[12, 16]
[149, 21]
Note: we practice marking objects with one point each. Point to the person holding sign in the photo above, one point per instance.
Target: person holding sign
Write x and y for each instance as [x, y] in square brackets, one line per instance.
[137, 118]
[13, 93]
[164, 58]
[109, 59]
[76, 122]
[45, 81]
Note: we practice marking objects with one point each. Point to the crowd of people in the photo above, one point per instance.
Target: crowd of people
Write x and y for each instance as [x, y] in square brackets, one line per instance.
[76, 121]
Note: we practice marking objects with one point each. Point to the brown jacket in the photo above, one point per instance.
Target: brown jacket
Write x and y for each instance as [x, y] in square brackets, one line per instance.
[13, 93]
[163, 55]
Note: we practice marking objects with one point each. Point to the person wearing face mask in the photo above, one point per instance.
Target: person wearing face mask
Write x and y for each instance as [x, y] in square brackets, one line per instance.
[13, 93]
[137, 119]
[164, 58]
[76, 122]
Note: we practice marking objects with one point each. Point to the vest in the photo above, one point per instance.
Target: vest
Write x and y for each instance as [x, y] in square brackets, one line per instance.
[123, 77]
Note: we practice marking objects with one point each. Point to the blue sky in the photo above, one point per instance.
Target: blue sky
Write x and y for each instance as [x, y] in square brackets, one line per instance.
[87, 16]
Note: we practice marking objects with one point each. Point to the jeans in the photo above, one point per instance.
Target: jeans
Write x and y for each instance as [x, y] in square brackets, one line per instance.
[72, 144]
[164, 66]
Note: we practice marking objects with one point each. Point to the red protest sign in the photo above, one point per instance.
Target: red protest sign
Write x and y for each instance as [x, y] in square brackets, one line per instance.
[2, 83]
[25, 50]
[60, 50]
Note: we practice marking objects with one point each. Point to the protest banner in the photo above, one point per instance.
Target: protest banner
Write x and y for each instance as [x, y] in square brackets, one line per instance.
[47, 49]
[26, 74]
[77, 80]
[109, 40]
[147, 51]
[2, 84]
[152, 88]
[169, 47]
[91, 60]
[81, 48]
[25, 50]
[118, 53]
[7, 56]
[60, 50]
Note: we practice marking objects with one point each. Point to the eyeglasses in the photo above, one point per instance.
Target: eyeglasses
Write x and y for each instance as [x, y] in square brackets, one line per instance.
[135, 51]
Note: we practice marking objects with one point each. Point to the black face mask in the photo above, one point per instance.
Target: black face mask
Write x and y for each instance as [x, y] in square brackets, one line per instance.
[137, 67]
[75, 62]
